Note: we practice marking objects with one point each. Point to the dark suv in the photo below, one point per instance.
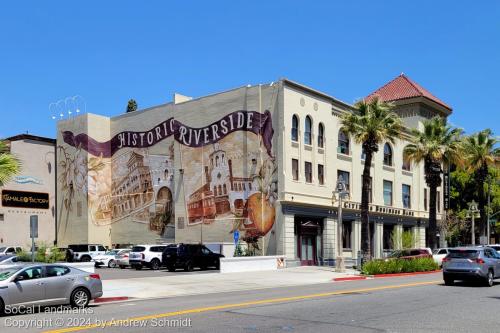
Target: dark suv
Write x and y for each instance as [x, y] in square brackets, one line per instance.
[189, 256]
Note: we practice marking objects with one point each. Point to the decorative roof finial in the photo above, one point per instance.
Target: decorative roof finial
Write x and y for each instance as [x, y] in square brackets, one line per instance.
[402, 74]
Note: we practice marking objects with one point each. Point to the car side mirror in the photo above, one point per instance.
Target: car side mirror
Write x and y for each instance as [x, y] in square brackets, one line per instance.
[19, 278]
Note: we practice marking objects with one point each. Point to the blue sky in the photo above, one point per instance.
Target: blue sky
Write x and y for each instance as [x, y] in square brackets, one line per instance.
[110, 51]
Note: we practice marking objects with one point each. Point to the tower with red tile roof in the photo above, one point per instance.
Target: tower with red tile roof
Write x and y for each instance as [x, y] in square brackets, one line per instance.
[413, 103]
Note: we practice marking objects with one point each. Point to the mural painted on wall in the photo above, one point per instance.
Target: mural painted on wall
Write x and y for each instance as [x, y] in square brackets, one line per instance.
[229, 174]
[132, 185]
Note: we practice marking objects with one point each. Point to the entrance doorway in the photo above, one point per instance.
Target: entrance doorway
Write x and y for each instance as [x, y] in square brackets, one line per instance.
[308, 232]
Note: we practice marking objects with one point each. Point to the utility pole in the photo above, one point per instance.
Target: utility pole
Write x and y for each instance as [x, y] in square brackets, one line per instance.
[471, 212]
[341, 190]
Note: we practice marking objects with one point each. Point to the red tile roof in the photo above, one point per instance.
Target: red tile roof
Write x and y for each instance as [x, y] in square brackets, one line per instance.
[403, 87]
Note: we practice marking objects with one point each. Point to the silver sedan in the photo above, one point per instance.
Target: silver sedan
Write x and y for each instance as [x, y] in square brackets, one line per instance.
[47, 284]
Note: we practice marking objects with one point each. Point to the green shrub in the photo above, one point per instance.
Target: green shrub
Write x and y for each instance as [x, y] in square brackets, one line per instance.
[390, 266]
[43, 254]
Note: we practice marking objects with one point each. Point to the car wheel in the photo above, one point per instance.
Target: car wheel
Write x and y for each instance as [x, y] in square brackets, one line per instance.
[86, 259]
[155, 264]
[80, 298]
[188, 267]
[112, 264]
[217, 264]
[123, 266]
[171, 268]
[489, 279]
[449, 282]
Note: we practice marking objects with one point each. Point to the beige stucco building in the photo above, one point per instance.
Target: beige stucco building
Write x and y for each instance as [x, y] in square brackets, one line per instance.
[263, 160]
[31, 192]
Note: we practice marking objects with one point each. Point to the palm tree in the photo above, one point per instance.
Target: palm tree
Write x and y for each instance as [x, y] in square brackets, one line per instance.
[480, 153]
[9, 164]
[372, 123]
[437, 144]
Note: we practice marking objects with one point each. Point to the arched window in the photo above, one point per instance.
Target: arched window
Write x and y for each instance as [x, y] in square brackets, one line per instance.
[343, 143]
[295, 128]
[216, 161]
[321, 135]
[307, 132]
[387, 155]
[224, 187]
[215, 190]
[406, 162]
[220, 190]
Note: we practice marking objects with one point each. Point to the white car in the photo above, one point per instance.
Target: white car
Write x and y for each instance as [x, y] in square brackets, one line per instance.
[146, 256]
[7, 260]
[439, 254]
[5, 250]
[108, 258]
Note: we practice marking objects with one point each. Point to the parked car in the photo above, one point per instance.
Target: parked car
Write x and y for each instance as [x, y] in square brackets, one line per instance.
[47, 284]
[468, 263]
[411, 253]
[495, 247]
[4, 250]
[189, 256]
[439, 254]
[108, 258]
[85, 252]
[8, 260]
[122, 259]
[146, 256]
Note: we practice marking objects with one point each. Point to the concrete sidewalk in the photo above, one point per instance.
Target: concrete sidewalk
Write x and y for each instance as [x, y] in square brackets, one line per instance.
[171, 286]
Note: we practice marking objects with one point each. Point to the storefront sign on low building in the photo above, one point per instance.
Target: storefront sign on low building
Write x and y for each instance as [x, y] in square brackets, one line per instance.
[23, 199]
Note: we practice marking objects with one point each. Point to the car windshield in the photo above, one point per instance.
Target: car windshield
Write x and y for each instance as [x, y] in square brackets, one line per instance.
[7, 273]
[463, 254]
[138, 249]
[2, 249]
[112, 252]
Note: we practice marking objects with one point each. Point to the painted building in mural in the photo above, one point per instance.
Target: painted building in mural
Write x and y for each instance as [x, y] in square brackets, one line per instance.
[262, 160]
[31, 192]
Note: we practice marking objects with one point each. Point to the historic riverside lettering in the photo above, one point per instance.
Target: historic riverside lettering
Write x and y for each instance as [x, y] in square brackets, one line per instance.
[22, 199]
[252, 121]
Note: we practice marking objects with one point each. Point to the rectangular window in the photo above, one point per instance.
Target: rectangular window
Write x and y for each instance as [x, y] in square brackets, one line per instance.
[438, 202]
[425, 199]
[308, 171]
[295, 169]
[387, 193]
[406, 196]
[1, 217]
[345, 178]
[321, 175]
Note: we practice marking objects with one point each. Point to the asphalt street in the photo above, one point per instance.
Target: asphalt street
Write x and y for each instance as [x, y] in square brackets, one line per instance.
[404, 304]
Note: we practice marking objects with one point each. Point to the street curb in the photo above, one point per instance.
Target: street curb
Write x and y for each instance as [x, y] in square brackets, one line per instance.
[350, 278]
[404, 274]
[111, 299]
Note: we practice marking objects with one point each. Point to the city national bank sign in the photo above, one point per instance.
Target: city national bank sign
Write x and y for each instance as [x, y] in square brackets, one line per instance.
[252, 121]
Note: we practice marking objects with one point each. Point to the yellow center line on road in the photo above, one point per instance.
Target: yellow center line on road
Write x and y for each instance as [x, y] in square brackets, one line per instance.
[123, 322]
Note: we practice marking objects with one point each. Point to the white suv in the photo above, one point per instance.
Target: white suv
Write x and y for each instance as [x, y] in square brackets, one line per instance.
[146, 255]
[85, 252]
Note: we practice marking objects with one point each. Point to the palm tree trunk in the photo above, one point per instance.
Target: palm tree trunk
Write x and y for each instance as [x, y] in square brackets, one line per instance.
[432, 216]
[365, 192]
[480, 178]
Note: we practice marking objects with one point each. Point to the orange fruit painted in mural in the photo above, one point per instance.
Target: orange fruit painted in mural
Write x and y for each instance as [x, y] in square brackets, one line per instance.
[261, 213]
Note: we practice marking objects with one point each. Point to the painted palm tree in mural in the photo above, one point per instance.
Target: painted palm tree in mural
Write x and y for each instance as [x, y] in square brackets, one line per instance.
[436, 144]
[9, 164]
[480, 154]
[372, 123]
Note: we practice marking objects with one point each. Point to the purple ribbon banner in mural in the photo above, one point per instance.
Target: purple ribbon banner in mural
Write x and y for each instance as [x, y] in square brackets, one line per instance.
[251, 121]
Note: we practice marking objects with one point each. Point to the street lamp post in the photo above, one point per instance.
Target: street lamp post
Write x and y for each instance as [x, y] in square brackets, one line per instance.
[471, 212]
[341, 190]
